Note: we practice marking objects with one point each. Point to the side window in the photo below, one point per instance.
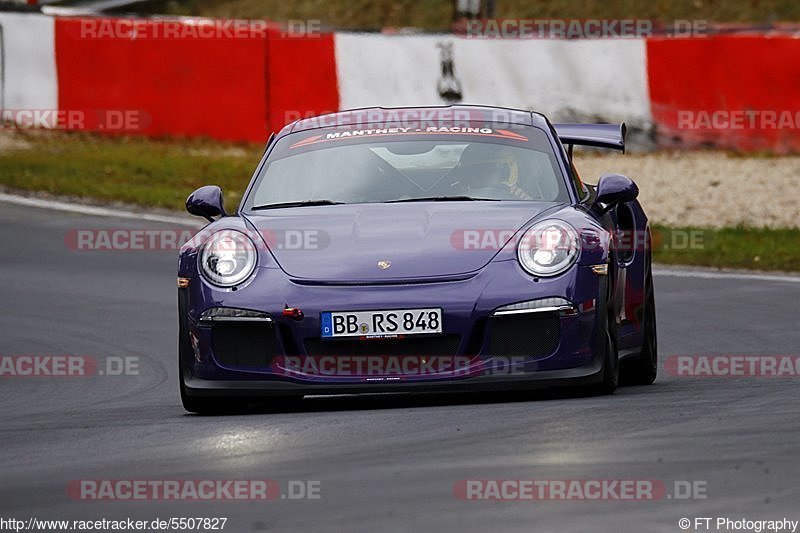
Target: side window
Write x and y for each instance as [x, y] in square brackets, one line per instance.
[583, 191]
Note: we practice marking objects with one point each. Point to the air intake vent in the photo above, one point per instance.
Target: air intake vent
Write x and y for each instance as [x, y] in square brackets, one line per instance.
[244, 344]
[526, 334]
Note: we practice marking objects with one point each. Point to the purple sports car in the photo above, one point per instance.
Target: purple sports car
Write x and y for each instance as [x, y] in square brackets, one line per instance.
[417, 249]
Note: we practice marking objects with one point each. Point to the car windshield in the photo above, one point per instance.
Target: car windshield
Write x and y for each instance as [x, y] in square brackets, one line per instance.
[395, 164]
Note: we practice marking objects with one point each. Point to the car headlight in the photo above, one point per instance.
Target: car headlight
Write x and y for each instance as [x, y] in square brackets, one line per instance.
[228, 258]
[548, 248]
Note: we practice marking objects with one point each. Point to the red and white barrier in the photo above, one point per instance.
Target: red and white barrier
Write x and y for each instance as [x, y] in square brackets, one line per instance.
[227, 87]
[735, 91]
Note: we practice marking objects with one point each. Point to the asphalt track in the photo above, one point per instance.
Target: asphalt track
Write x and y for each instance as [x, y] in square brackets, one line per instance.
[385, 463]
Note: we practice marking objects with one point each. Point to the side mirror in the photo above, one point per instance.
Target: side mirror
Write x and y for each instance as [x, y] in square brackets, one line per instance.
[206, 202]
[613, 189]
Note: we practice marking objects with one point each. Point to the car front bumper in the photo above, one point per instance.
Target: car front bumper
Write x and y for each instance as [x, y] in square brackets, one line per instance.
[469, 321]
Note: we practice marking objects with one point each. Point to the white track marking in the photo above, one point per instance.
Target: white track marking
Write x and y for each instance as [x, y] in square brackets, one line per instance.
[95, 211]
[708, 274]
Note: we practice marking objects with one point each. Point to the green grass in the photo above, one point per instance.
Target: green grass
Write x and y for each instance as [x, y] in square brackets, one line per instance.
[437, 14]
[162, 173]
[739, 247]
[129, 169]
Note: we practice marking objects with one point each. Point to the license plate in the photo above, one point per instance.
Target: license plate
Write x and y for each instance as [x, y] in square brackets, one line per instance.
[381, 323]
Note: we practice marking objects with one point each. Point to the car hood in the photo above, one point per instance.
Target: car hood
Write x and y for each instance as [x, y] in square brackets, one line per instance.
[411, 241]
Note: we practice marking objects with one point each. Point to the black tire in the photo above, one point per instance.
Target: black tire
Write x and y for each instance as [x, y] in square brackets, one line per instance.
[642, 369]
[607, 344]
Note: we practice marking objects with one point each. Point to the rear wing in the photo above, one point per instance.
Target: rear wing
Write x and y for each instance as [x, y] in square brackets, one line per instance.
[598, 135]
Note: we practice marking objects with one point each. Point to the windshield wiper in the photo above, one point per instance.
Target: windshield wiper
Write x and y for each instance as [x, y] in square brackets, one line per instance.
[441, 199]
[305, 203]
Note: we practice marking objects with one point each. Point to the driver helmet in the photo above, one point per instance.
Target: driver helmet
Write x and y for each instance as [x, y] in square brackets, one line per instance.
[488, 165]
